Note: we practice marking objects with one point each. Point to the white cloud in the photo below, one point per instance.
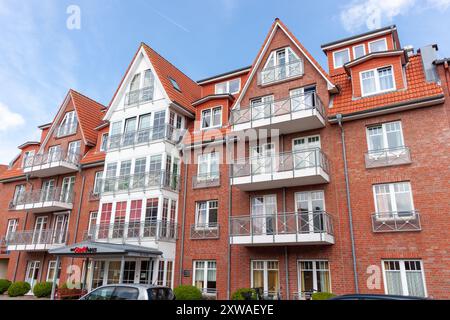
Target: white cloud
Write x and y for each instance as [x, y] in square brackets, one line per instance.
[373, 13]
[9, 119]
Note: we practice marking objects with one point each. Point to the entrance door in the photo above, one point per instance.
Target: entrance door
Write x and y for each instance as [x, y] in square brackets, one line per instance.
[306, 152]
[310, 207]
[113, 272]
[264, 210]
[129, 272]
[60, 229]
[263, 159]
[146, 272]
[32, 274]
[40, 229]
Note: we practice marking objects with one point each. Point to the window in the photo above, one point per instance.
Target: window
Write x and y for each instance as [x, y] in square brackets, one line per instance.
[262, 107]
[169, 274]
[105, 220]
[126, 293]
[393, 200]
[212, 118]
[104, 144]
[104, 293]
[231, 86]
[359, 51]
[139, 173]
[404, 277]
[205, 276]
[119, 219]
[387, 136]
[208, 166]
[377, 81]
[12, 227]
[175, 84]
[310, 207]
[265, 278]
[378, 45]
[151, 211]
[124, 175]
[73, 151]
[341, 57]
[114, 136]
[165, 273]
[98, 182]
[281, 64]
[19, 194]
[69, 124]
[92, 223]
[27, 160]
[314, 276]
[134, 225]
[206, 214]
[51, 271]
[67, 189]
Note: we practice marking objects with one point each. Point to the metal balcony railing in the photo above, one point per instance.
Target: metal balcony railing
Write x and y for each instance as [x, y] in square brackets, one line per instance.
[145, 136]
[288, 106]
[203, 181]
[67, 129]
[140, 181]
[282, 162]
[388, 157]
[208, 293]
[268, 295]
[37, 237]
[94, 195]
[41, 159]
[42, 196]
[282, 224]
[139, 96]
[396, 221]
[205, 231]
[280, 72]
[157, 230]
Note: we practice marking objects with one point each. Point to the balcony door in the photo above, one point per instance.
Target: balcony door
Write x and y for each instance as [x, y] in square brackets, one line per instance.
[306, 152]
[67, 189]
[60, 228]
[303, 98]
[262, 108]
[264, 210]
[54, 153]
[129, 131]
[263, 158]
[144, 127]
[310, 207]
[32, 275]
[158, 125]
[73, 153]
[48, 190]
[40, 229]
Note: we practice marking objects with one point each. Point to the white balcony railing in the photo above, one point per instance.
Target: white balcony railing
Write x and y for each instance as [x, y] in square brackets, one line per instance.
[280, 72]
[203, 181]
[50, 197]
[396, 221]
[139, 96]
[36, 239]
[387, 157]
[52, 158]
[205, 231]
[67, 129]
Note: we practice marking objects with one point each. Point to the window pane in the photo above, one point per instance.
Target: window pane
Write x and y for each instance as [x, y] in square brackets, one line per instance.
[383, 198]
[386, 79]
[341, 58]
[376, 138]
[221, 88]
[359, 51]
[394, 136]
[206, 118]
[217, 117]
[234, 86]
[377, 46]
[368, 82]
[415, 283]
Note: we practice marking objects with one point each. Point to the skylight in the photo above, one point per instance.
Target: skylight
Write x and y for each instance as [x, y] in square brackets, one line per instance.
[175, 84]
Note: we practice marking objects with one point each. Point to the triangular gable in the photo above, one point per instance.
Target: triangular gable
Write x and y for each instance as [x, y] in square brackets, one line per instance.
[258, 60]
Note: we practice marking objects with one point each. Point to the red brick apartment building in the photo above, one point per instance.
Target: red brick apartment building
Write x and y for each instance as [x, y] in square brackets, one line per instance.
[289, 179]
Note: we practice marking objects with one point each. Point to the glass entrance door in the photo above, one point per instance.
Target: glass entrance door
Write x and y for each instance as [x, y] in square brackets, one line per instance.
[32, 274]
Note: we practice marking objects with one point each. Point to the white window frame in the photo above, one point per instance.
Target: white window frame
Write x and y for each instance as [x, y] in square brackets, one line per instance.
[26, 156]
[103, 147]
[71, 121]
[205, 289]
[12, 227]
[339, 51]
[265, 274]
[403, 275]
[377, 81]
[354, 51]
[207, 225]
[384, 134]
[393, 201]
[385, 44]
[299, 272]
[227, 86]
[211, 110]
[57, 269]
[19, 191]
[208, 157]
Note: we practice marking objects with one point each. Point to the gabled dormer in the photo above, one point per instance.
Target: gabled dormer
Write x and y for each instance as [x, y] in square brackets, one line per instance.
[282, 64]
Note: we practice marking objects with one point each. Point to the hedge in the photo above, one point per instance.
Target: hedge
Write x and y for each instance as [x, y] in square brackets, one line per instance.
[244, 294]
[4, 285]
[187, 293]
[17, 289]
[322, 296]
[43, 289]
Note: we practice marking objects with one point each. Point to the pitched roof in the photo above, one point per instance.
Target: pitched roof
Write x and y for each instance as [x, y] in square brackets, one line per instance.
[93, 156]
[417, 88]
[190, 90]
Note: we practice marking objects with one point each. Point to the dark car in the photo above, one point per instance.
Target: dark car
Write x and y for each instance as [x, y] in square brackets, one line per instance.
[130, 292]
[374, 297]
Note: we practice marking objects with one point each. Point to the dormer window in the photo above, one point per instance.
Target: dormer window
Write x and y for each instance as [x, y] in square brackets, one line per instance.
[340, 58]
[175, 84]
[211, 118]
[378, 45]
[281, 64]
[69, 125]
[359, 51]
[27, 159]
[231, 86]
[138, 92]
[377, 81]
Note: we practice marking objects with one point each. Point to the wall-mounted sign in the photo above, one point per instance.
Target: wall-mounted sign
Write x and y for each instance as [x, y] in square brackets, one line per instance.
[83, 250]
[186, 273]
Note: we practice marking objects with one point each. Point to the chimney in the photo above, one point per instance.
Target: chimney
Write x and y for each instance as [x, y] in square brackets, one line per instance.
[429, 55]
[409, 49]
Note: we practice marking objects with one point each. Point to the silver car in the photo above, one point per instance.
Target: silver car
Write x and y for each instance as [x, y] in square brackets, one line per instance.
[130, 292]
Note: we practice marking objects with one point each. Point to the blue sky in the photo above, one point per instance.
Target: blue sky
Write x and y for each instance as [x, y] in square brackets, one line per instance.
[40, 58]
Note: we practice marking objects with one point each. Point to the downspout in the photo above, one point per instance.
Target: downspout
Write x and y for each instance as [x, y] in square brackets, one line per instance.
[78, 214]
[349, 207]
[183, 223]
[286, 257]
[230, 202]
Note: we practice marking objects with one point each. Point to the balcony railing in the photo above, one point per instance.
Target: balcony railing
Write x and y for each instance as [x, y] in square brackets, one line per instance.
[44, 196]
[396, 221]
[203, 181]
[145, 136]
[288, 106]
[268, 295]
[37, 239]
[94, 195]
[139, 231]
[66, 129]
[140, 181]
[282, 162]
[388, 157]
[205, 231]
[61, 156]
[280, 72]
[139, 96]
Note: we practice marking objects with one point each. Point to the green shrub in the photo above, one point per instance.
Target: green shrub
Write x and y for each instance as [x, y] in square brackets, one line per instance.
[4, 285]
[244, 294]
[322, 296]
[18, 289]
[187, 293]
[42, 289]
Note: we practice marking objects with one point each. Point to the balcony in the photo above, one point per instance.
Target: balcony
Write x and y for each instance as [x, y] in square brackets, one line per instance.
[209, 231]
[282, 72]
[137, 232]
[204, 181]
[138, 97]
[387, 157]
[294, 114]
[36, 240]
[396, 222]
[45, 200]
[296, 168]
[52, 164]
[145, 137]
[140, 182]
[304, 228]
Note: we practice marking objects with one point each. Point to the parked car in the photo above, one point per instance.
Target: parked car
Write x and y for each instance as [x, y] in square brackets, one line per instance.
[374, 297]
[130, 292]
